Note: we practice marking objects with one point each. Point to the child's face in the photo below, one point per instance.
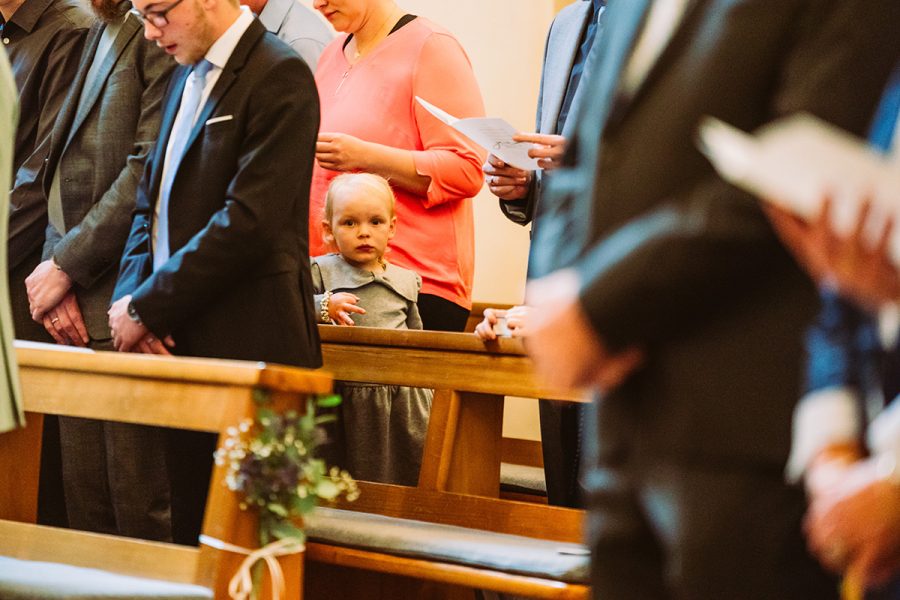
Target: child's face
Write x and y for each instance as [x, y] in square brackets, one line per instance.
[361, 227]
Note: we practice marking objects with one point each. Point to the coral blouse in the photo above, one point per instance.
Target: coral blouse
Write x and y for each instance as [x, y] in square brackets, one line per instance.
[374, 100]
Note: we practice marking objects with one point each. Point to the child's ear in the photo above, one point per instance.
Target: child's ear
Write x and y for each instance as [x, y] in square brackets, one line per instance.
[393, 228]
[327, 234]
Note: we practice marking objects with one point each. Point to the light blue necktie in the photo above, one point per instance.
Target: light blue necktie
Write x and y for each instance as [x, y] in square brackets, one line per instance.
[190, 104]
[885, 122]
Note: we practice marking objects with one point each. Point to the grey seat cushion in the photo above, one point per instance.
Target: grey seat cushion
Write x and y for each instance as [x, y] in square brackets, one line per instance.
[32, 580]
[557, 561]
[523, 479]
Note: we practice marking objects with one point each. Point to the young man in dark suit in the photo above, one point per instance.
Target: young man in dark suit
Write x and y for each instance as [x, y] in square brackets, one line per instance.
[217, 261]
[683, 306]
[114, 473]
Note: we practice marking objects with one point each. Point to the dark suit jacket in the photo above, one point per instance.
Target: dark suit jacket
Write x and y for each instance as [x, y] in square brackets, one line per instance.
[674, 260]
[238, 215]
[100, 153]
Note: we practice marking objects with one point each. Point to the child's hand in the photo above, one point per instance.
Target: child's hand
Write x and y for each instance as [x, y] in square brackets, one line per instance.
[485, 330]
[340, 306]
[517, 320]
[503, 323]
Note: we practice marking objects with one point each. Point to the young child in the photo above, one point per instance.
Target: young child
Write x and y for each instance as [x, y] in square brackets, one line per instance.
[383, 426]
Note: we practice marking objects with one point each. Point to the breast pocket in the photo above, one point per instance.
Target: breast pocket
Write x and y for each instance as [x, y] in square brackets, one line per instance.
[220, 138]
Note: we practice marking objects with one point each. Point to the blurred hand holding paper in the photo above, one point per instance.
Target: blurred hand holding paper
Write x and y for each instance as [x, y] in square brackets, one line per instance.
[493, 134]
[799, 161]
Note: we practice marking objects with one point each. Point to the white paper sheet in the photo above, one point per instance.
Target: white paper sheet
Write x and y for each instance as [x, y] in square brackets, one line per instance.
[493, 134]
[798, 161]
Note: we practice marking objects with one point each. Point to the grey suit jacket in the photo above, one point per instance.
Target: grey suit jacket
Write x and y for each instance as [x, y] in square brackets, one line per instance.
[298, 27]
[671, 258]
[560, 51]
[100, 154]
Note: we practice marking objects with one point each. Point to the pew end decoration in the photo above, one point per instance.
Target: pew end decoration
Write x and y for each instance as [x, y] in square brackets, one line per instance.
[271, 463]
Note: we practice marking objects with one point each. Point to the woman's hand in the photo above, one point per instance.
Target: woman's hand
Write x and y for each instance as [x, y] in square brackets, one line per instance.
[341, 152]
[340, 306]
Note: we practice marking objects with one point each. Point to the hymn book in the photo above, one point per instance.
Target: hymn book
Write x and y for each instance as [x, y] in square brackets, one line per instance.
[799, 161]
[493, 134]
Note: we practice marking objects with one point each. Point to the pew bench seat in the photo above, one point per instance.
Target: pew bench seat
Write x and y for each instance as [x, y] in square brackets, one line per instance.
[36, 580]
[502, 562]
[523, 479]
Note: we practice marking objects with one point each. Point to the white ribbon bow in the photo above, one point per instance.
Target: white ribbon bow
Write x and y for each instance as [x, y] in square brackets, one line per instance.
[241, 585]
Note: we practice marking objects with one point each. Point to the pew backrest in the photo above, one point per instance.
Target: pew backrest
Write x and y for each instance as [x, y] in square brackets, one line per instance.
[183, 393]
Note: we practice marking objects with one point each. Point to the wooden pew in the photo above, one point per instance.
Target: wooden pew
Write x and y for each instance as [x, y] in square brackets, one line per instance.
[459, 481]
[195, 394]
[516, 453]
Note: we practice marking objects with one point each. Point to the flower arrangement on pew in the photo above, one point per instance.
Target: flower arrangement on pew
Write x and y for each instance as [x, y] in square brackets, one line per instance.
[271, 461]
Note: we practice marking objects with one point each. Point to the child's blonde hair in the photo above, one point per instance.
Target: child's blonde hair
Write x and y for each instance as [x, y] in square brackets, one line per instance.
[351, 181]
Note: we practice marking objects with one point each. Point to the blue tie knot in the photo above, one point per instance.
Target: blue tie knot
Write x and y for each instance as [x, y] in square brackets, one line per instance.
[201, 69]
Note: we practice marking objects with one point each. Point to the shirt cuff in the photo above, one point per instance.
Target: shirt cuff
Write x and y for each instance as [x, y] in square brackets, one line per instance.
[822, 418]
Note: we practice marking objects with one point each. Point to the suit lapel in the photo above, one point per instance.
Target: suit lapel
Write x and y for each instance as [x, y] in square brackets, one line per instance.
[129, 28]
[170, 111]
[61, 135]
[229, 74]
[564, 47]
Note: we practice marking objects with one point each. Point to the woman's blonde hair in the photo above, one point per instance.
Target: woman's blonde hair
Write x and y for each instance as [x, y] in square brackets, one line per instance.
[351, 181]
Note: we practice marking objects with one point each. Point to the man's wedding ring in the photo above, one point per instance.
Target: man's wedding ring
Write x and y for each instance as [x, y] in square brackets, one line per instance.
[54, 320]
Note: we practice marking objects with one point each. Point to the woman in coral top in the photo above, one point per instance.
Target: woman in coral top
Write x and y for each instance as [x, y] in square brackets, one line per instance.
[368, 80]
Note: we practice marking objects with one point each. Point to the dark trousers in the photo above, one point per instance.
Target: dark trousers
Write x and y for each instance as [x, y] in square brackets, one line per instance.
[189, 455]
[51, 501]
[439, 314]
[115, 478]
[562, 428]
[664, 531]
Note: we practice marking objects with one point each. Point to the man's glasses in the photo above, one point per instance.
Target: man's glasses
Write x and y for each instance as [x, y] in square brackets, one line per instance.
[157, 17]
